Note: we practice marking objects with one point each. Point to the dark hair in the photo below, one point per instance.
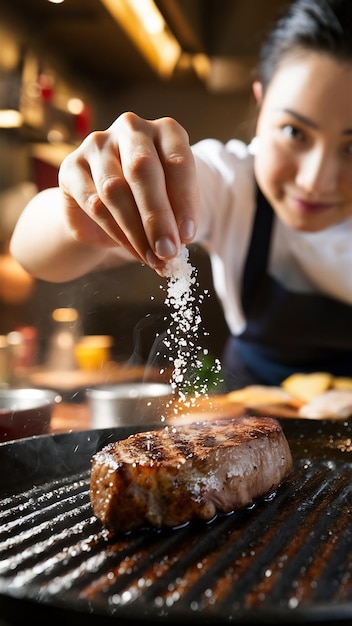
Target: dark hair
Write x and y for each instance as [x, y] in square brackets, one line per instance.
[317, 25]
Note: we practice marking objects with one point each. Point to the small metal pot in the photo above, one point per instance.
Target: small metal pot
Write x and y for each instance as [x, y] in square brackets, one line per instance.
[128, 403]
[26, 412]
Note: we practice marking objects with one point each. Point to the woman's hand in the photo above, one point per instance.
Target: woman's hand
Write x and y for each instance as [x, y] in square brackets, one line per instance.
[133, 185]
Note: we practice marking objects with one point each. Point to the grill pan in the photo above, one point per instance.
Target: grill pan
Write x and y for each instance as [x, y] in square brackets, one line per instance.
[287, 559]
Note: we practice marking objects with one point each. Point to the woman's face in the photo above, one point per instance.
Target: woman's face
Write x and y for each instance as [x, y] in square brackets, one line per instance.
[304, 160]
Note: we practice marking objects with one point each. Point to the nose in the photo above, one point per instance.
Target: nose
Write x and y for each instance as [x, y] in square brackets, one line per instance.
[318, 171]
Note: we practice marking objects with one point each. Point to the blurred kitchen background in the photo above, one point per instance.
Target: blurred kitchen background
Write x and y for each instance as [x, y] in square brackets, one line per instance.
[69, 67]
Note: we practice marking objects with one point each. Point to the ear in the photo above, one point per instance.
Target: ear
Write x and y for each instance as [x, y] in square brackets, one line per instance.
[257, 88]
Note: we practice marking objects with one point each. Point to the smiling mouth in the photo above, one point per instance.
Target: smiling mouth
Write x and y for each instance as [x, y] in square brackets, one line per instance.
[308, 206]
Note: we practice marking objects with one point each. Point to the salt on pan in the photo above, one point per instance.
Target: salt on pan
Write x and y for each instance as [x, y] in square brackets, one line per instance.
[182, 335]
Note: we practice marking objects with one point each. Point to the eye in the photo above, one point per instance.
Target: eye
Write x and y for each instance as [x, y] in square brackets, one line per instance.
[292, 131]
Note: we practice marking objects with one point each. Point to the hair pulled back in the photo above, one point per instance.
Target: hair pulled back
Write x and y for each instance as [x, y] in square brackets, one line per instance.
[323, 26]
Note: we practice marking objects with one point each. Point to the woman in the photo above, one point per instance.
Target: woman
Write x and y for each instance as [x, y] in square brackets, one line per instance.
[275, 216]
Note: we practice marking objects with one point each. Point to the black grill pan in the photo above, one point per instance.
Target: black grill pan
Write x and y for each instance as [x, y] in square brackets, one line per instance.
[288, 559]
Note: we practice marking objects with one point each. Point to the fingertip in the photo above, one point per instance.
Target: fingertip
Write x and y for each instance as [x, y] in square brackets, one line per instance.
[165, 248]
[154, 262]
[187, 230]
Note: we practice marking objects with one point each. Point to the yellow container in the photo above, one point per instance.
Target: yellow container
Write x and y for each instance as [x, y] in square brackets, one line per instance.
[92, 352]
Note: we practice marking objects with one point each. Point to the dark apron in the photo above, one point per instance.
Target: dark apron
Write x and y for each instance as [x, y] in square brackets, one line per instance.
[286, 332]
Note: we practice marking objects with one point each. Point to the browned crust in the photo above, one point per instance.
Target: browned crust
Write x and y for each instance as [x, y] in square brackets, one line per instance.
[167, 477]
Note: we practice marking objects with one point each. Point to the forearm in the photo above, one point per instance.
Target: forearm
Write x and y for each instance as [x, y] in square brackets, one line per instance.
[42, 242]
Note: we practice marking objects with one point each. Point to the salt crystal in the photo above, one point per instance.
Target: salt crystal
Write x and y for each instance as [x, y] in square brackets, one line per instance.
[186, 319]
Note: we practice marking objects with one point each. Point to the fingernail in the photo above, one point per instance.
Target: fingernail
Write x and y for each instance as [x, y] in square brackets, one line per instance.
[187, 230]
[165, 248]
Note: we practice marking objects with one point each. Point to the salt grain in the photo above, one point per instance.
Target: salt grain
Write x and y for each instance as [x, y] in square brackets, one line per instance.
[182, 334]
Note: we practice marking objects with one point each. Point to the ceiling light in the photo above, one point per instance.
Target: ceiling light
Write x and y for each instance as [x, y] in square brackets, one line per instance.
[75, 106]
[65, 314]
[10, 118]
[146, 27]
[9, 52]
[149, 14]
[201, 65]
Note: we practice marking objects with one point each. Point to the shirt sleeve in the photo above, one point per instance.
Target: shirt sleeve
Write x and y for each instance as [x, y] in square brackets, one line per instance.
[227, 196]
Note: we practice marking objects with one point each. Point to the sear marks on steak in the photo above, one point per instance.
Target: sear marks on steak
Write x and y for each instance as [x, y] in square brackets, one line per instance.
[167, 477]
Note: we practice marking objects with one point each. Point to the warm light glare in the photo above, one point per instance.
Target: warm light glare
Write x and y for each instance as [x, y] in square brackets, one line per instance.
[55, 135]
[152, 20]
[171, 54]
[75, 106]
[56, 1]
[201, 65]
[9, 52]
[145, 26]
[10, 118]
[65, 314]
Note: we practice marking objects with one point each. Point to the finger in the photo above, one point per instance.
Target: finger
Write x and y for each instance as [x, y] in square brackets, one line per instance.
[95, 180]
[180, 175]
[119, 215]
[143, 170]
[79, 192]
[126, 233]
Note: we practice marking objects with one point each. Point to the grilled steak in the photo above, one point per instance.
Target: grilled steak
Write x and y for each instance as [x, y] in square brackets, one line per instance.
[167, 477]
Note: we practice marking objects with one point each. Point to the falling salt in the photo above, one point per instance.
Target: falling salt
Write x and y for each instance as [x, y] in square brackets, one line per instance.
[182, 336]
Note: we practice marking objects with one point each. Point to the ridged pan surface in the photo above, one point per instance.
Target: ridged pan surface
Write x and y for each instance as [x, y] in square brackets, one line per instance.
[287, 559]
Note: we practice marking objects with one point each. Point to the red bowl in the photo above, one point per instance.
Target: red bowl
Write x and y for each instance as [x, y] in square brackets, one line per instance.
[26, 412]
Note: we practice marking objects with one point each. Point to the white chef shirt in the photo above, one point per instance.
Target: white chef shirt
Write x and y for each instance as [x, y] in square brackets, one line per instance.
[304, 262]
